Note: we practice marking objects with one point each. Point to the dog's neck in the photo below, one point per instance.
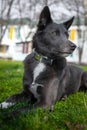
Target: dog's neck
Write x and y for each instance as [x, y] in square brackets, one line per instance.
[39, 57]
[57, 62]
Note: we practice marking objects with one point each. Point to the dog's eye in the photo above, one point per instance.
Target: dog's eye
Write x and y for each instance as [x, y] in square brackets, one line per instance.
[54, 33]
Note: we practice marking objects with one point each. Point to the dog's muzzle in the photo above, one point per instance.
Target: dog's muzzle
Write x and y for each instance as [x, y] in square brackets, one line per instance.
[72, 46]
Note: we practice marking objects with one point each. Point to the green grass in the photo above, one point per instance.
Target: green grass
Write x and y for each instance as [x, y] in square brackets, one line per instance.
[68, 115]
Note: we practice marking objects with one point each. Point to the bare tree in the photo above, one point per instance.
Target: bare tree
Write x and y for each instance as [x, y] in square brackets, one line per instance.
[85, 7]
[81, 42]
[76, 6]
[30, 9]
[6, 6]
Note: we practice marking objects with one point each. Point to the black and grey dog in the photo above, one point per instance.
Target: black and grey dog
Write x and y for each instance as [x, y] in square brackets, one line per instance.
[47, 76]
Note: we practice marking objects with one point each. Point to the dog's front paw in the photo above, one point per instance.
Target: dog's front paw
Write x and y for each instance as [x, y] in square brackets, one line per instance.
[6, 104]
[64, 97]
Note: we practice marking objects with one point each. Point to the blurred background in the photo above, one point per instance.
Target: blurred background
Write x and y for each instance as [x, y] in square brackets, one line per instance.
[18, 22]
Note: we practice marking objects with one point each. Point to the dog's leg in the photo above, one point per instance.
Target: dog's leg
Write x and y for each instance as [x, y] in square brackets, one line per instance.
[23, 96]
[83, 86]
[29, 108]
[20, 97]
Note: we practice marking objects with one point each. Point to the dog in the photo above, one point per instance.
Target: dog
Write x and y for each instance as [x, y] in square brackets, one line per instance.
[47, 75]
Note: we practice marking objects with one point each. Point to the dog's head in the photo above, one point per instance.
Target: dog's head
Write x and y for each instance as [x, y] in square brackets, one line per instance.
[51, 39]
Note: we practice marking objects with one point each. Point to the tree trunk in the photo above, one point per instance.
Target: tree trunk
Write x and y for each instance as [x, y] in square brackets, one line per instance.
[85, 7]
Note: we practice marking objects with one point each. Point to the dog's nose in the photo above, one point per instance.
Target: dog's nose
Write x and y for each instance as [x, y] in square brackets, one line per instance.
[73, 46]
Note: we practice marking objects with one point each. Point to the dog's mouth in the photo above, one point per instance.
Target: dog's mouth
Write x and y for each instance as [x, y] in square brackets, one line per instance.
[65, 52]
[61, 53]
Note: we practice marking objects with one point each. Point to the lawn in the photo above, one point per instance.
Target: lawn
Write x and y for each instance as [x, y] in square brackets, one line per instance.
[67, 115]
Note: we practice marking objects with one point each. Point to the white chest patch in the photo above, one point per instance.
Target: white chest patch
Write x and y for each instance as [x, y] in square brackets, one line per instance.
[37, 71]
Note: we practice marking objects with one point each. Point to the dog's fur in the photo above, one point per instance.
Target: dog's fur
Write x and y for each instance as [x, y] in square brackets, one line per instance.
[49, 78]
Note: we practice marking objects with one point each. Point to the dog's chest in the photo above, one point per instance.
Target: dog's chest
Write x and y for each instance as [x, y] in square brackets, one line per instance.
[38, 70]
[36, 73]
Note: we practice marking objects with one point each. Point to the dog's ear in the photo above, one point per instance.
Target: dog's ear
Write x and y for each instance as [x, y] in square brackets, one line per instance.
[45, 18]
[68, 23]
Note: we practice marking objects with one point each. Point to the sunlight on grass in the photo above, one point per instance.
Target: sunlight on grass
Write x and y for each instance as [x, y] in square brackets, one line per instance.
[71, 114]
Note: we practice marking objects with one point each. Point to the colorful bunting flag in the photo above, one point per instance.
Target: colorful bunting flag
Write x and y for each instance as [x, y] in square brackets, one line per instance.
[72, 34]
[11, 30]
